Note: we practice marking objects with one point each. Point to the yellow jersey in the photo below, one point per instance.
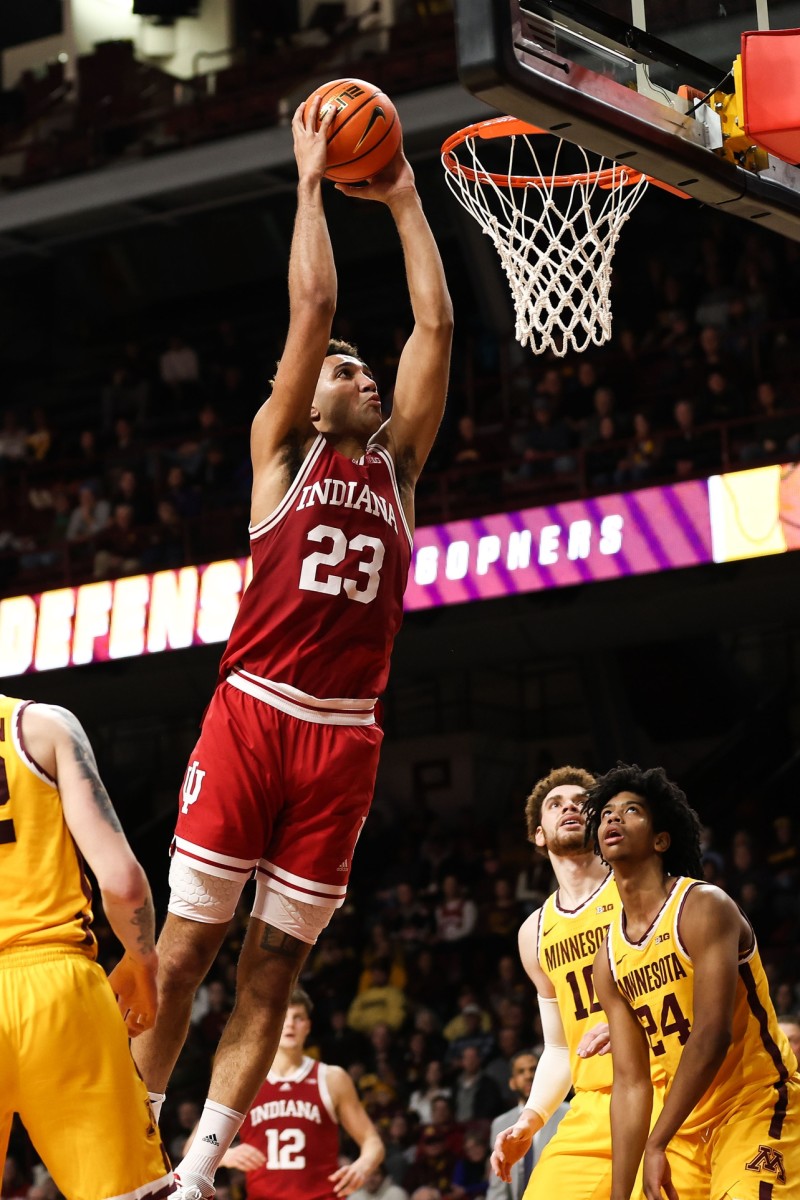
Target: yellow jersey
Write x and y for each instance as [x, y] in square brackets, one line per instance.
[656, 977]
[567, 941]
[45, 896]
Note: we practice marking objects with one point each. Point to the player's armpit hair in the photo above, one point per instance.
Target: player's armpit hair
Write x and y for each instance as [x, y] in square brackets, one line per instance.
[553, 1077]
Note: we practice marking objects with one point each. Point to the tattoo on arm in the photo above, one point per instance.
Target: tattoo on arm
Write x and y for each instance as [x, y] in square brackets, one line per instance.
[144, 918]
[84, 757]
[275, 941]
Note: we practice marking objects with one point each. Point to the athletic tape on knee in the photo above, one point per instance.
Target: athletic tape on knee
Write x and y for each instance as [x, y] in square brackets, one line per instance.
[293, 917]
[199, 897]
[553, 1077]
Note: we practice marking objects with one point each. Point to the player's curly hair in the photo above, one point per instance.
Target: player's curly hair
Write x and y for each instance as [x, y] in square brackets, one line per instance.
[668, 807]
[559, 777]
[335, 346]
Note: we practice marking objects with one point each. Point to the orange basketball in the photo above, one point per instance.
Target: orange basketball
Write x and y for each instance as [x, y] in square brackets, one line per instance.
[365, 132]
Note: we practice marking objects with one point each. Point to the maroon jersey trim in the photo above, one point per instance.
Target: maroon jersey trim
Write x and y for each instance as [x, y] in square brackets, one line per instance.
[21, 748]
[258, 530]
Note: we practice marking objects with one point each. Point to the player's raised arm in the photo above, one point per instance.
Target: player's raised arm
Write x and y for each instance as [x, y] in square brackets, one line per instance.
[632, 1092]
[421, 387]
[285, 417]
[353, 1117]
[57, 741]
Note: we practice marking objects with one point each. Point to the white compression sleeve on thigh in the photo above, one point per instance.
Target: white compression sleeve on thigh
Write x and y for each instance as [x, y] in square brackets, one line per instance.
[300, 920]
[199, 897]
[553, 1077]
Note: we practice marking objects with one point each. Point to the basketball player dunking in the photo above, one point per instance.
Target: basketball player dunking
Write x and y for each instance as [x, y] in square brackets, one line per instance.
[682, 984]
[289, 1140]
[280, 783]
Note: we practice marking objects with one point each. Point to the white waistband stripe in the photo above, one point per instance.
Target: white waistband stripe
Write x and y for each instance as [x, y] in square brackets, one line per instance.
[291, 700]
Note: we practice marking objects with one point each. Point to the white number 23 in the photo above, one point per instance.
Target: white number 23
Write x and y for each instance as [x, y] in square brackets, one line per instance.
[331, 583]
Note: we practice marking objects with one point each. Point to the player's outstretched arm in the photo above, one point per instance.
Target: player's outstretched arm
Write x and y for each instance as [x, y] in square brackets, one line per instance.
[710, 927]
[284, 419]
[422, 375]
[353, 1116]
[632, 1091]
[57, 741]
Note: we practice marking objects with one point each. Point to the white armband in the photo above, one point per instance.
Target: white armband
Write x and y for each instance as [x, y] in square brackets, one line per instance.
[553, 1077]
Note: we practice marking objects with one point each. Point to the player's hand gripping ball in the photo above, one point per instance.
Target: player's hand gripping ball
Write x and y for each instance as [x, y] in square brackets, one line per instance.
[365, 134]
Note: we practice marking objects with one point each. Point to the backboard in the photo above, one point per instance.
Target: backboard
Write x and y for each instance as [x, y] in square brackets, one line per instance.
[612, 76]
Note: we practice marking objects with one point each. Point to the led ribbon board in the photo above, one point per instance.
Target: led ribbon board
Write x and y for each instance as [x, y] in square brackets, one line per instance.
[740, 515]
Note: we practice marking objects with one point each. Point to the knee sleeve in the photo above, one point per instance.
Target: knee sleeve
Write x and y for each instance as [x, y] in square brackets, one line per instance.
[199, 897]
[293, 917]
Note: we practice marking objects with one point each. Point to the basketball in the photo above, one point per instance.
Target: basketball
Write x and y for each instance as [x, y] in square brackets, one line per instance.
[365, 133]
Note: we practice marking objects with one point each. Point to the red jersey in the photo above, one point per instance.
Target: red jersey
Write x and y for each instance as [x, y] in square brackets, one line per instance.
[293, 1122]
[330, 566]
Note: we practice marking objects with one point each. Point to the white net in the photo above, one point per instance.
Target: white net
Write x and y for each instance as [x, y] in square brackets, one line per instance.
[556, 241]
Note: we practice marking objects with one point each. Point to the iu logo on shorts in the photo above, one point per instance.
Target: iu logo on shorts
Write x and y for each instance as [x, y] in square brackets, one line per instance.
[768, 1159]
[192, 784]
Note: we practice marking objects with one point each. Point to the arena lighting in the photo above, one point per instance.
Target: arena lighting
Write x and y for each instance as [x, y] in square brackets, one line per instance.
[734, 516]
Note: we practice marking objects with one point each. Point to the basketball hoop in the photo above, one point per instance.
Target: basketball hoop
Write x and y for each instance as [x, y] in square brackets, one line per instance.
[556, 253]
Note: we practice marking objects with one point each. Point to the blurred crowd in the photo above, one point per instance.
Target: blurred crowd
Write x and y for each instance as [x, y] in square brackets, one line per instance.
[153, 472]
[420, 996]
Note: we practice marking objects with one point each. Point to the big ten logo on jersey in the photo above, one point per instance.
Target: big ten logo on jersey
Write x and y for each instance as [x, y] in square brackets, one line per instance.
[602, 908]
[192, 783]
[662, 937]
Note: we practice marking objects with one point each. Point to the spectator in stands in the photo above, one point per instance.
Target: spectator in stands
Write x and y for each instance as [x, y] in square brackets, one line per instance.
[433, 1086]
[215, 1018]
[87, 462]
[522, 1068]
[380, 1002]
[604, 405]
[456, 915]
[13, 439]
[427, 983]
[187, 1116]
[165, 540]
[641, 459]
[408, 919]
[89, 516]
[118, 545]
[472, 1035]
[40, 439]
[689, 451]
[721, 401]
[131, 489]
[127, 393]
[342, 1045]
[582, 390]
[604, 456]
[471, 1168]
[546, 444]
[179, 366]
[125, 452]
[401, 1144]
[443, 1119]
[379, 1186]
[499, 1067]
[476, 1095]
[182, 495]
[774, 432]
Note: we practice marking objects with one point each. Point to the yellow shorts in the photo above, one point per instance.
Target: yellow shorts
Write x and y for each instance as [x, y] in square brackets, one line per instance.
[66, 1068]
[576, 1162]
[750, 1155]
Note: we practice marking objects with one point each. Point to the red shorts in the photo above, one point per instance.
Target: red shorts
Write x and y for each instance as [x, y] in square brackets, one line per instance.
[268, 792]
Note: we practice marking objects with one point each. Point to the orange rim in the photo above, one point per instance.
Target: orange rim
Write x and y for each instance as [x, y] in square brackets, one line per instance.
[497, 127]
